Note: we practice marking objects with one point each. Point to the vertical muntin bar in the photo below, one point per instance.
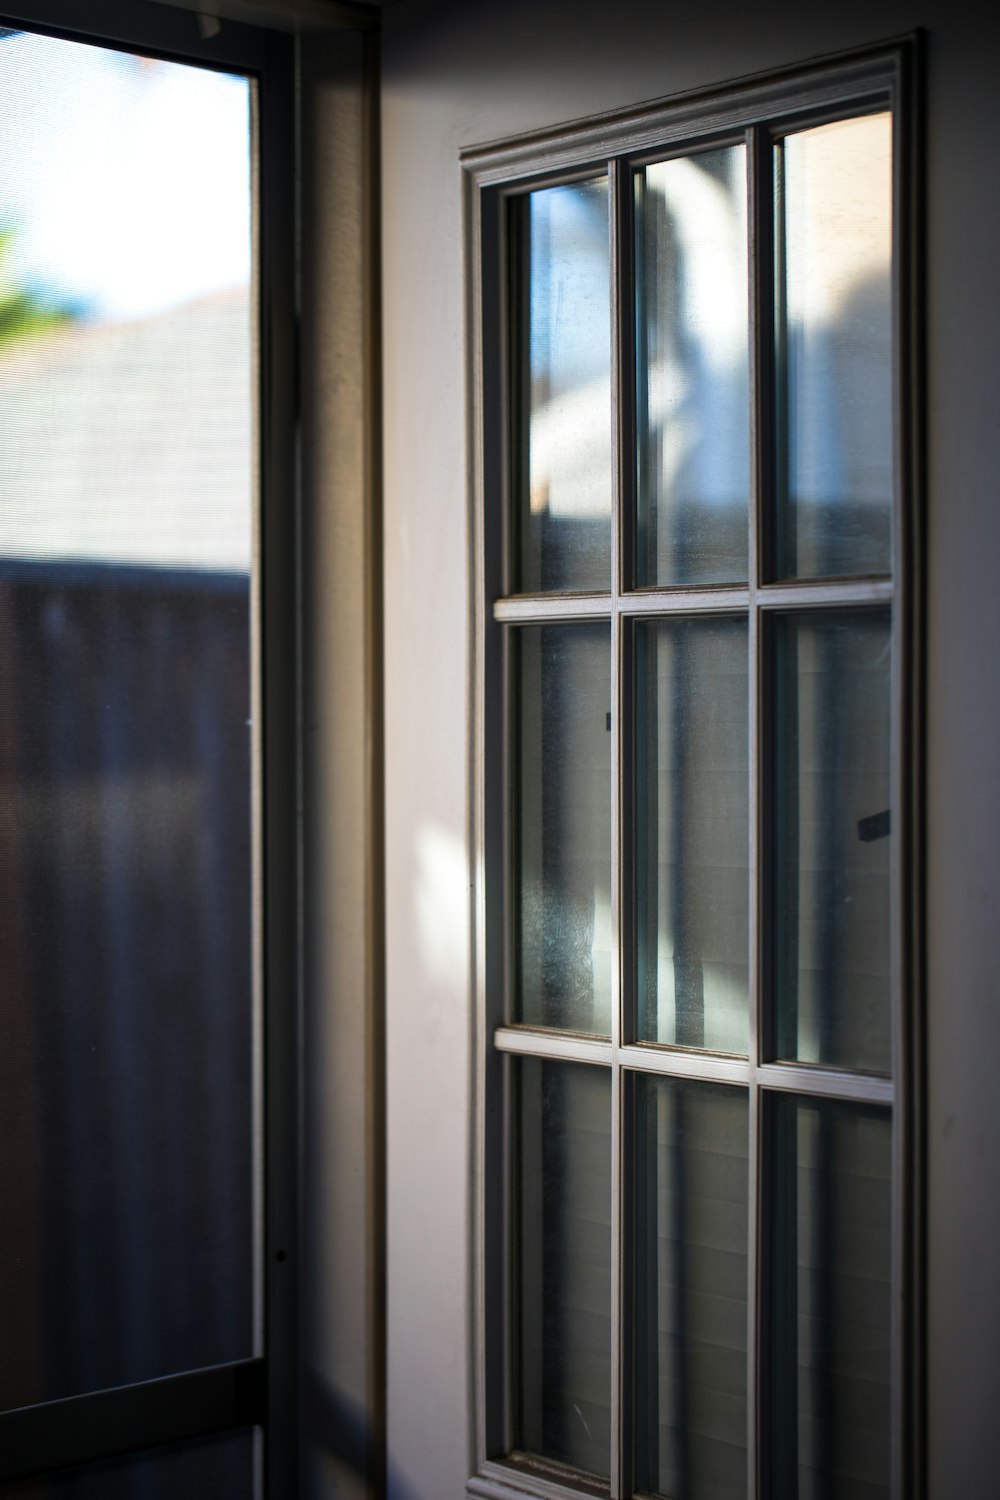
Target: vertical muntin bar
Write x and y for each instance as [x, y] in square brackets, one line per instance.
[760, 252]
[622, 427]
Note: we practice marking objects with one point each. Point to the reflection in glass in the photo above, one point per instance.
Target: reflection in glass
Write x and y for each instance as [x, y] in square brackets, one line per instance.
[834, 233]
[126, 456]
[220, 1468]
[691, 1278]
[832, 824]
[692, 368]
[563, 1271]
[692, 833]
[563, 826]
[563, 498]
[829, 1297]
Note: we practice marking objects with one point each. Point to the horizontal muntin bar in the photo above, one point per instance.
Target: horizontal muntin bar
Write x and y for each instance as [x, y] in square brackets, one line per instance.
[528, 608]
[522, 1041]
[531, 608]
[827, 594]
[812, 594]
[829, 1083]
[684, 601]
[131, 1418]
[674, 1063]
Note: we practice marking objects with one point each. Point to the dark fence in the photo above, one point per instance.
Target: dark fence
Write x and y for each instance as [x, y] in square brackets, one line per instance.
[126, 1168]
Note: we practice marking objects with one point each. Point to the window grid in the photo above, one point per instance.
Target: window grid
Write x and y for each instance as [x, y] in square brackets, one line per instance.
[624, 607]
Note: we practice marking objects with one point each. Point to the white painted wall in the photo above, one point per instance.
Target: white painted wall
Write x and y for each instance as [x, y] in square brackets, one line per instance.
[456, 74]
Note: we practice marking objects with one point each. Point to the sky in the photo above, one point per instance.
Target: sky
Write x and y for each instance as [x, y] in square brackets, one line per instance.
[125, 179]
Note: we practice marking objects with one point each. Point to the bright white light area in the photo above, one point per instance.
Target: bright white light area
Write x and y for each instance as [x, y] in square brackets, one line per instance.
[125, 179]
[724, 1001]
[443, 907]
[708, 220]
[838, 205]
[697, 390]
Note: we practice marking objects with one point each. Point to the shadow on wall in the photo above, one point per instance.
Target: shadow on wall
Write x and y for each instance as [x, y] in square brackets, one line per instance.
[337, 1427]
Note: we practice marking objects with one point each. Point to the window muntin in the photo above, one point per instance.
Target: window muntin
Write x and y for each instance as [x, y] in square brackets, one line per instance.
[855, 1062]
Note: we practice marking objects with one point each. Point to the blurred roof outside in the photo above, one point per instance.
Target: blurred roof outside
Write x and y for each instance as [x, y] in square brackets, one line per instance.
[132, 443]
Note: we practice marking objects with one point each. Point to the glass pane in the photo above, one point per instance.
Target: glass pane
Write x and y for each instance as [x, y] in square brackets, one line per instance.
[692, 833]
[222, 1468]
[830, 1308]
[563, 1275]
[692, 366]
[126, 458]
[832, 678]
[564, 478]
[563, 826]
[691, 1281]
[834, 229]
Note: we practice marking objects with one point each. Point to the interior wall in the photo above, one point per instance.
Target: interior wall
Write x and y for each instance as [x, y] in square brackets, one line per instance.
[454, 75]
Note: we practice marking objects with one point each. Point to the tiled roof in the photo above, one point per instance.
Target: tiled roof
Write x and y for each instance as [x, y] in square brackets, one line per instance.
[131, 443]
